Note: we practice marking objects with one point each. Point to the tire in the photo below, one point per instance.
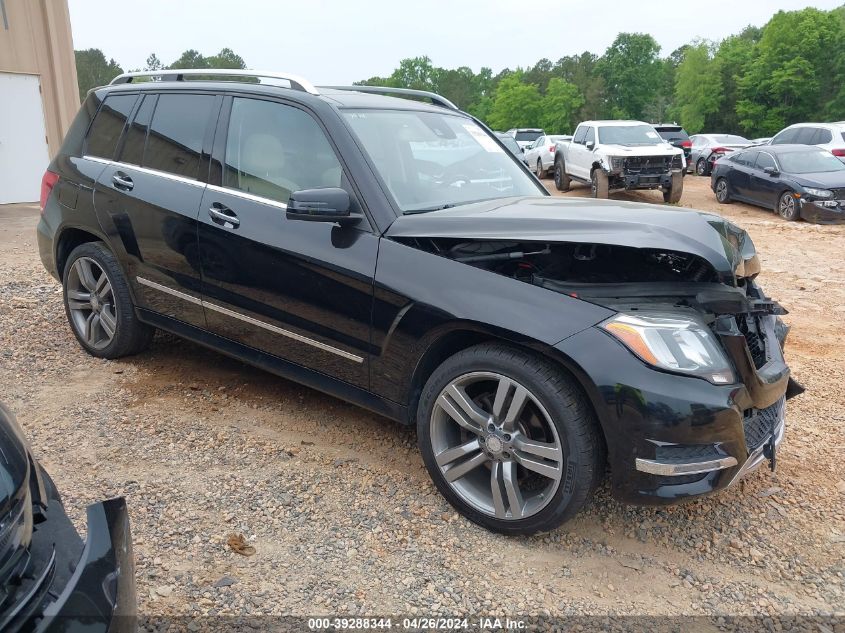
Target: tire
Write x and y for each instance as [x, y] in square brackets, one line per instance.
[599, 186]
[722, 195]
[562, 180]
[100, 311]
[541, 173]
[554, 411]
[674, 193]
[701, 168]
[787, 207]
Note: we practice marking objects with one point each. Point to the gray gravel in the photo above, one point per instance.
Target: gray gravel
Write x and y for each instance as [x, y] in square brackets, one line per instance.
[340, 510]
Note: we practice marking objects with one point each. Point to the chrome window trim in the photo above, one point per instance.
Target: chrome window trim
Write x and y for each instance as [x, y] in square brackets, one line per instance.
[147, 170]
[248, 319]
[248, 196]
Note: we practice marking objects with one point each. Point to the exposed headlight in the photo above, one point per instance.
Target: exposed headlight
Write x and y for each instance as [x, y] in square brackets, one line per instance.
[674, 343]
[616, 162]
[818, 193]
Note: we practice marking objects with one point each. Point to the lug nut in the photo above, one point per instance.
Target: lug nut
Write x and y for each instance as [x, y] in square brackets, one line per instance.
[507, 437]
[491, 427]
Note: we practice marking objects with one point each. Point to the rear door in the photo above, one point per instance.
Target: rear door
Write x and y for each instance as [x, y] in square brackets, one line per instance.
[739, 177]
[301, 291]
[149, 198]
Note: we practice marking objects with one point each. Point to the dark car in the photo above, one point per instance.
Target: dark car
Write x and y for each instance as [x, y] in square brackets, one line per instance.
[796, 181]
[394, 254]
[510, 143]
[677, 136]
[49, 579]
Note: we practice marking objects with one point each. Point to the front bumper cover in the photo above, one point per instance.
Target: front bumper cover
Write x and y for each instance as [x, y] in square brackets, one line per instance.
[823, 211]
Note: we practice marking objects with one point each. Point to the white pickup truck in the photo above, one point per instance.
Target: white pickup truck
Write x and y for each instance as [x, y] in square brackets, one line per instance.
[614, 155]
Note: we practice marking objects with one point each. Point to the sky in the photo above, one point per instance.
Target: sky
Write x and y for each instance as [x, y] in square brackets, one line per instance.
[341, 41]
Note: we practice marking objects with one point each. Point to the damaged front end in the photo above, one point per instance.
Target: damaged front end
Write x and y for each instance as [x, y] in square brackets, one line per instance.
[700, 399]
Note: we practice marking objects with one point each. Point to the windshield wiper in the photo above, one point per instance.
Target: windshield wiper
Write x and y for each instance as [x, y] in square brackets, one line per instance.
[427, 209]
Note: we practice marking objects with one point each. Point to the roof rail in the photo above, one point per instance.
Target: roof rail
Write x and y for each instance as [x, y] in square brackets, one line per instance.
[296, 82]
[435, 98]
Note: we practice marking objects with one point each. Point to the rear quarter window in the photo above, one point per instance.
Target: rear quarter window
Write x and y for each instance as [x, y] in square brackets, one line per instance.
[175, 137]
[108, 125]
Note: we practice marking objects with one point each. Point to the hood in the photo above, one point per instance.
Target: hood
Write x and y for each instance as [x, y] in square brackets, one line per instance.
[546, 219]
[664, 149]
[14, 461]
[821, 180]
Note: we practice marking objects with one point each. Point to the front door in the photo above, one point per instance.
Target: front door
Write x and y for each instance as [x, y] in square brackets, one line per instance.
[299, 290]
[149, 198]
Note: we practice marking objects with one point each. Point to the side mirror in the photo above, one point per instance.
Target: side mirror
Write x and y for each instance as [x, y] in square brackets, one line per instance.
[772, 171]
[589, 144]
[331, 204]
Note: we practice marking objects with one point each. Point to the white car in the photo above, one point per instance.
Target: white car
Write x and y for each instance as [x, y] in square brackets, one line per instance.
[540, 155]
[614, 155]
[830, 136]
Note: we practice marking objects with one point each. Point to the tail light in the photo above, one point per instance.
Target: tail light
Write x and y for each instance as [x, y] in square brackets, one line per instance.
[48, 181]
[838, 152]
[551, 149]
[721, 150]
[686, 144]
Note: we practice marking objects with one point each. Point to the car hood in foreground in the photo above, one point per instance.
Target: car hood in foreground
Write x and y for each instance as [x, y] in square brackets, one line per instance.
[820, 180]
[14, 461]
[546, 219]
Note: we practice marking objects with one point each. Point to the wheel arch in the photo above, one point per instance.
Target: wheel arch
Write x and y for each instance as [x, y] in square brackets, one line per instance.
[68, 239]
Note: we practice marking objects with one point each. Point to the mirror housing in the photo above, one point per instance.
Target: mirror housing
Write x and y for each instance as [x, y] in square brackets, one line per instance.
[772, 171]
[330, 204]
[589, 144]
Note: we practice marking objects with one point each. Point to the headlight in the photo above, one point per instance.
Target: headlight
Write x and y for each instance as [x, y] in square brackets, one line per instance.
[674, 343]
[616, 162]
[818, 193]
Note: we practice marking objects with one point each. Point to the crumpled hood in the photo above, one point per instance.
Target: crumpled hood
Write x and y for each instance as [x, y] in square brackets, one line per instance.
[586, 220]
[14, 461]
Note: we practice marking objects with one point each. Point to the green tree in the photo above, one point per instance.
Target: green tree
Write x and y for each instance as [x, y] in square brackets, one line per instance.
[226, 58]
[153, 63]
[516, 104]
[417, 73]
[190, 59]
[559, 106]
[631, 71]
[732, 58]
[92, 70]
[698, 87]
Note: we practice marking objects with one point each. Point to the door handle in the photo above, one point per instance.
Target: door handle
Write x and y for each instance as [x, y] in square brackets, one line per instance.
[222, 214]
[122, 181]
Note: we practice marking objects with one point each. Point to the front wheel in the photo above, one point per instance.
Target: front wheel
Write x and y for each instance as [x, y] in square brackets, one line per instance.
[672, 195]
[722, 195]
[509, 440]
[99, 305]
[599, 185]
[562, 180]
[788, 207]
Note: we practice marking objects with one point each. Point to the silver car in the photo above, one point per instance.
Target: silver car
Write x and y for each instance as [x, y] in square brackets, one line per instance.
[706, 148]
[540, 155]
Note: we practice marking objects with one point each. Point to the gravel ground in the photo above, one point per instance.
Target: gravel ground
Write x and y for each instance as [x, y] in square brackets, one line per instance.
[339, 508]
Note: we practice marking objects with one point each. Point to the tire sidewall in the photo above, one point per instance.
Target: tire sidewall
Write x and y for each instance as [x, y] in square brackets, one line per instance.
[561, 179]
[701, 167]
[568, 498]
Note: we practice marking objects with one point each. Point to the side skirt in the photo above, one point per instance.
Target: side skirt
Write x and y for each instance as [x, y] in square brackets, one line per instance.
[280, 367]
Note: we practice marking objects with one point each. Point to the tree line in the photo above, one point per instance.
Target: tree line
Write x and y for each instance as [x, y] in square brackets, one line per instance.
[754, 83]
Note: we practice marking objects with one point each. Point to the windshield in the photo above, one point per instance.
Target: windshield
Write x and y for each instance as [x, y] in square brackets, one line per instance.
[730, 139]
[629, 135]
[510, 143]
[432, 161]
[810, 162]
[533, 135]
[674, 134]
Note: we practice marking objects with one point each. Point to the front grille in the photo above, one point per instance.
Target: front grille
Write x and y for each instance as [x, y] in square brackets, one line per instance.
[760, 423]
[647, 164]
[754, 339]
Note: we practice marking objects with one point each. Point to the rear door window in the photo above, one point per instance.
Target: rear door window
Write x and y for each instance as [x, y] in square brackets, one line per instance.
[806, 136]
[108, 125]
[175, 137]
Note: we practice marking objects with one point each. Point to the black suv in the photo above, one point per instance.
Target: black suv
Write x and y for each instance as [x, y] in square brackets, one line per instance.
[392, 252]
[677, 136]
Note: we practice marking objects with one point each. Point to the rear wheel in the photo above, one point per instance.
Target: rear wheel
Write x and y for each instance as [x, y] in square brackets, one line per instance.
[99, 306]
[541, 173]
[562, 180]
[788, 207]
[599, 186]
[701, 167]
[722, 195]
[509, 440]
[672, 195]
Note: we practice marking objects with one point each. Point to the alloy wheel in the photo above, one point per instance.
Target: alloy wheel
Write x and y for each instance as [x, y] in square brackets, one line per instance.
[91, 303]
[786, 207]
[496, 445]
[721, 191]
[700, 167]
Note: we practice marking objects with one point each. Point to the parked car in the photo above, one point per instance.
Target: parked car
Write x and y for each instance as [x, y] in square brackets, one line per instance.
[708, 148]
[525, 136]
[614, 155]
[795, 181]
[530, 339]
[830, 136]
[676, 136]
[513, 147]
[763, 140]
[540, 155]
[49, 579]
